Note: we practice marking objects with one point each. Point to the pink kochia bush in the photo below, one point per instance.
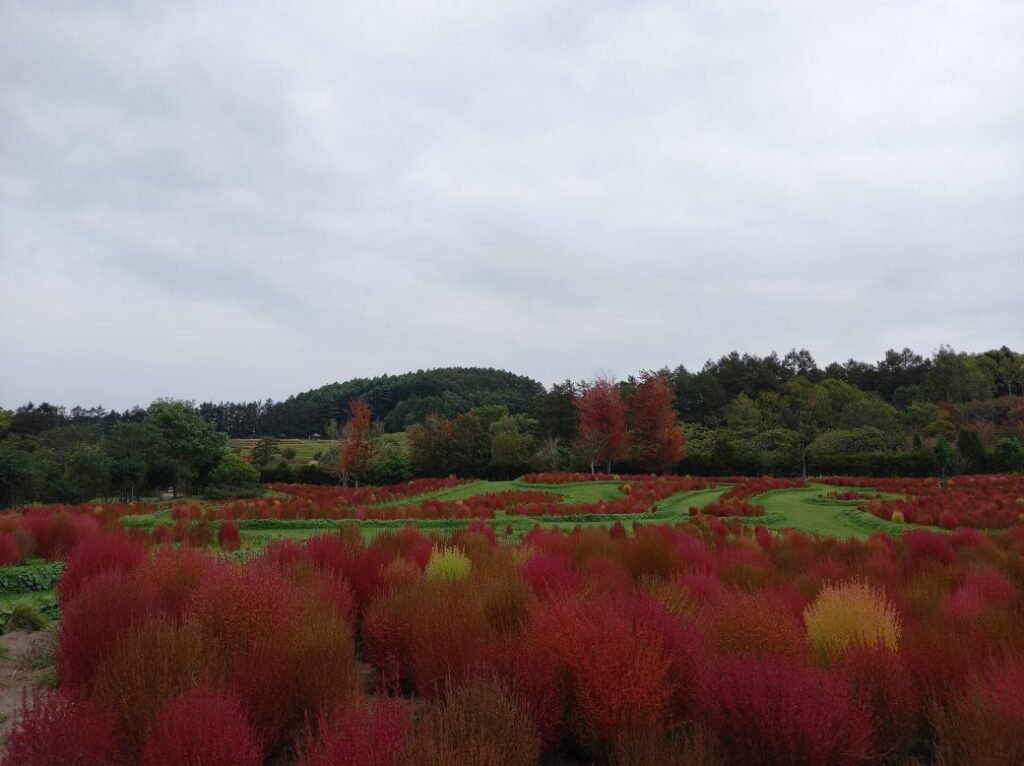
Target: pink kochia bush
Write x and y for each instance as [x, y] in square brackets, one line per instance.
[228, 536]
[108, 552]
[201, 726]
[55, 728]
[369, 735]
[10, 551]
[706, 642]
[181, 621]
[767, 712]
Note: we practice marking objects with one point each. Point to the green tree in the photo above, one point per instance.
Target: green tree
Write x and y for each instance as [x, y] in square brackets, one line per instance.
[390, 465]
[743, 414]
[89, 469]
[972, 451]
[804, 407]
[137, 459]
[432, 446]
[191, 444]
[555, 412]
[959, 377]
[944, 456]
[15, 474]
[471, 444]
[1009, 455]
[511, 448]
[265, 453]
[233, 473]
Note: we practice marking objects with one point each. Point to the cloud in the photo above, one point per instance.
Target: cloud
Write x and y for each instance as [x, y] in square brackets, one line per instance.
[228, 201]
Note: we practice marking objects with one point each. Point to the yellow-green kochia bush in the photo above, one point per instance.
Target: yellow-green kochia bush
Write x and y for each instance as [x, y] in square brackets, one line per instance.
[449, 564]
[850, 613]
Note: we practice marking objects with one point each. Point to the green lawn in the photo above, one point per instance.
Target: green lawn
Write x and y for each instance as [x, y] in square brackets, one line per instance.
[305, 449]
[811, 511]
[805, 509]
[309, 449]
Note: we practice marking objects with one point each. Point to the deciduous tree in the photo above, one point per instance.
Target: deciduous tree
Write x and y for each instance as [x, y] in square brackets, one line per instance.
[355, 448]
[601, 436]
[432, 446]
[656, 440]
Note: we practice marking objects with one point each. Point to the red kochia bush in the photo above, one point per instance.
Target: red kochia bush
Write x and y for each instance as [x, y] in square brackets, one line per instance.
[760, 624]
[175, 573]
[106, 609]
[924, 545]
[536, 681]
[980, 589]
[52, 530]
[374, 735]
[550, 573]
[228, 536]
[681, 644]
[153, 663]
[983, 725]
[287, 651]
[621, 676]
[55, 729]
[768, 711]
[10, 552]
[203, 726]
[877, 679]
[162, 534]
[107, 552]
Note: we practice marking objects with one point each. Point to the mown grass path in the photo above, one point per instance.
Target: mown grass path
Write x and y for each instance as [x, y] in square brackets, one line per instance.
[809, 510]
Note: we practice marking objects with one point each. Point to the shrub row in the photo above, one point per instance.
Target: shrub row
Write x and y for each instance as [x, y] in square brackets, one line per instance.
[700, 643]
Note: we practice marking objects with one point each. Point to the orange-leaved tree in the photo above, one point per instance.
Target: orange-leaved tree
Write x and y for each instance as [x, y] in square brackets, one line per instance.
[601, 436]
[356, 445]
[656, 440]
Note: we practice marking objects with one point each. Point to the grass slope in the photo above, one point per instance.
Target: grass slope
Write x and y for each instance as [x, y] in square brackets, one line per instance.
[811, 511]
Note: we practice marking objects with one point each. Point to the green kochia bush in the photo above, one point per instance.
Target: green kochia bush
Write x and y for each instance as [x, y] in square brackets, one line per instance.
[448, 564]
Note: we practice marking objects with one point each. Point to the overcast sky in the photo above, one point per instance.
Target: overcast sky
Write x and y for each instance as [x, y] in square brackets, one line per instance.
[238, 200]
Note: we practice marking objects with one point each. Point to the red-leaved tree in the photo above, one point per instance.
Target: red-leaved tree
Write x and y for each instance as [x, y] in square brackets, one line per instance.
[656, 440]
[601, 436]
[355, 448]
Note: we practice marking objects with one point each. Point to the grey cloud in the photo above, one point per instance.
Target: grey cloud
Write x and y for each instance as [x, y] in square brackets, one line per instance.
[255, 199]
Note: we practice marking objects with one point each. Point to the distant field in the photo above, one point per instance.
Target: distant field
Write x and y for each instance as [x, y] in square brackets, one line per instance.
[307, 450]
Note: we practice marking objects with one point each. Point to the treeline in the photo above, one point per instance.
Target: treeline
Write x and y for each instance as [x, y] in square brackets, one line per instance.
[169, 446]
[743, 414]
[611, 426]
[906, 415]
[398, 401]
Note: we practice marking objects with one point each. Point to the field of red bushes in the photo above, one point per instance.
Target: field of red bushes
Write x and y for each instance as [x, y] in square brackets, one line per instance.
[985, 501]
[298, 506]
[563, 477]
[704, 643]
[52, 531]
[325, 496]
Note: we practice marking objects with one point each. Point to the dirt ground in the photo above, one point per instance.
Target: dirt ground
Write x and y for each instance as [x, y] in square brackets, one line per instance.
[26, 662]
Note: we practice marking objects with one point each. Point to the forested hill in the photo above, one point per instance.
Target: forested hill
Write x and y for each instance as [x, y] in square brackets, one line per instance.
[400, 400]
